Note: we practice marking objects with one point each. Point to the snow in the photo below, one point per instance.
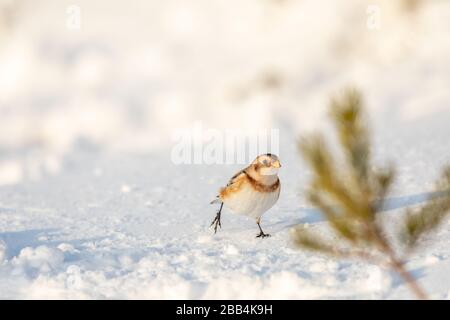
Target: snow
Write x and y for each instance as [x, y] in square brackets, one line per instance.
[2, 252]
[92, 205]
[40, 260]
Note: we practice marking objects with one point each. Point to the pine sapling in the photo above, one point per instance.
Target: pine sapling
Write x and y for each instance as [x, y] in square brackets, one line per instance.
[349, 193]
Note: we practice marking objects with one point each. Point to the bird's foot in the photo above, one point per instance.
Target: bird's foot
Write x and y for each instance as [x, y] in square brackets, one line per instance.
[263, 235]
[216, 223]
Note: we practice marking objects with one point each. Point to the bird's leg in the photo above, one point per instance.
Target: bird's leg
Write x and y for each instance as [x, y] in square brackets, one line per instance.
[216, 221]
[261, 234]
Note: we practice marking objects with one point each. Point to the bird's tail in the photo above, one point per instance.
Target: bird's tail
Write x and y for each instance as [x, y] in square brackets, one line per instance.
[216, 200]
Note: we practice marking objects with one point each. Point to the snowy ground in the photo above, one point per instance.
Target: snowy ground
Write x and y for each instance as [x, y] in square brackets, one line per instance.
[114, 226]
[91, 205]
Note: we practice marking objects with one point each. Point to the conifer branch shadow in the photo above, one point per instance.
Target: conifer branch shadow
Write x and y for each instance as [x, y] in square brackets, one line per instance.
[314, 215]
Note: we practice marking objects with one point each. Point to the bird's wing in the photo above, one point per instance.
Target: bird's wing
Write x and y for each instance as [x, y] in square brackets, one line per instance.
[230, 183]
[236, 177]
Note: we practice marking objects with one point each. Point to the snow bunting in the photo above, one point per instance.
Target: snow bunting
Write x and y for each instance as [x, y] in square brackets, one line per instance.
[252, 191]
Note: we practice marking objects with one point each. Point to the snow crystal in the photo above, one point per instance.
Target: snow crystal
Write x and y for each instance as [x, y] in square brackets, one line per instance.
[431, 260]
[125, 188]
[66, 247]
[231, 250]
[377, 279]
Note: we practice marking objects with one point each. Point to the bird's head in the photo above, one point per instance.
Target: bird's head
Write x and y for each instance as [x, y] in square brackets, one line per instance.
[267, 164]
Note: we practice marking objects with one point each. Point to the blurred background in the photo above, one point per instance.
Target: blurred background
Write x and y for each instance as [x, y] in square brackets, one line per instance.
[120, 76]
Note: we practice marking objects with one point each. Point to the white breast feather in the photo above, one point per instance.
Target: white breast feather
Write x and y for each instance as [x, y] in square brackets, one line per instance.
[250, 202]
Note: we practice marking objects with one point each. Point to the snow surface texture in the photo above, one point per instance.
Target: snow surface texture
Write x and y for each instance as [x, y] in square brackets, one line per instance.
[91, 205]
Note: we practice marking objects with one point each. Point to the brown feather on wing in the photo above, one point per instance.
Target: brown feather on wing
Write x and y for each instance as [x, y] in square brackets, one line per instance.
[231, 185]
[238, 179]
[234, 184]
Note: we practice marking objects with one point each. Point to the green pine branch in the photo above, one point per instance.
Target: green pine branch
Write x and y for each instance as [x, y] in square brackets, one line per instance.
[349, 195]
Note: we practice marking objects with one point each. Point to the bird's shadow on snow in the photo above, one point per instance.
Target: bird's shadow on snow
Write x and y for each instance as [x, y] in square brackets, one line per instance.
[314, 215]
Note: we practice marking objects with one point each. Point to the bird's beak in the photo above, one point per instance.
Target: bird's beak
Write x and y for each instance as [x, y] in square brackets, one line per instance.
[277, 164]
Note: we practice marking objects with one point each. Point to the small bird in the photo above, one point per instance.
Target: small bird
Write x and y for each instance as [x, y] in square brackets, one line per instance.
[252, 191]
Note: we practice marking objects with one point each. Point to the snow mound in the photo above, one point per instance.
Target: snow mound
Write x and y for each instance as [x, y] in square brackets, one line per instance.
[42, 259]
